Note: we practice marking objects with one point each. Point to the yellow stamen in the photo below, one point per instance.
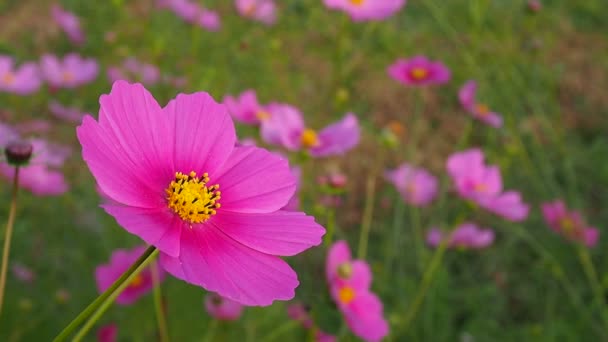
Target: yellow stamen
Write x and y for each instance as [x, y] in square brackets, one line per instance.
[250, 10]
[191, 198]
[357, 2]
[68, 76]
[419, 74]
[8, 78]
[309, 138]
[137, 281]
[567, 224]
[345, 270]
[262, 115]
[480, 187]
[346, 294]
[482, 109]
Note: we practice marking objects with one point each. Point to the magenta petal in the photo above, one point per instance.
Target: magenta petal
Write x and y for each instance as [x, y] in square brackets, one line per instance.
[280, 233]
[157, 227]
[204, 133]
[361, 277]
[338, 137]
[591, 236]
[338, 254]
[466, 94]
[254, 180]
[211, 259]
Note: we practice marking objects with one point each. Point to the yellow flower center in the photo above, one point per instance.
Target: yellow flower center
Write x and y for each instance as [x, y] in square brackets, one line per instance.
[250, 10]
[482, 109]
[262, 115]
[345, 270]
[567, 224]
[8, 78]
[137, 281]
[68, 76]
[357, 2]
[346, 294]
[419, 74]
[309, 138]
[480, 187]
[191, 198]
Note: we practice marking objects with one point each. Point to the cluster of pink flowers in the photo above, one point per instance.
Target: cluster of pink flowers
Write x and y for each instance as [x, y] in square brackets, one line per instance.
[482, 184]
[349, 283]
[464, 236]
[366, 10]
[193, 13]
[178, 206]
[569, 224]
[263, 11]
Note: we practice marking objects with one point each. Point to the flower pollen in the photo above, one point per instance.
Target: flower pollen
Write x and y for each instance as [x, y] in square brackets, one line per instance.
[482, 109]
[357, 2]
[262, 115]
[419, 74]
[309, 138]
[346, 294]
[8, 78]
[137, 281]
[191, 198]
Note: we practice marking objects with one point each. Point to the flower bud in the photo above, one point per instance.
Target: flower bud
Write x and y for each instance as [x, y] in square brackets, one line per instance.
[18, 153]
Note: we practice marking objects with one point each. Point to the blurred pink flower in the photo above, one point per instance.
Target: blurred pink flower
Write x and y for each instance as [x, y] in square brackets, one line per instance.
[569, 224]
[298, 312]
[286, 128]
[65, 113]
[260, 10]
[364, 10]
[120, 261]
[483, 185]
[535, 5]
[222, 308]
[69, 23]
[465, 236]
[134, 70]
[21, 81]
[33, 126]
[177, 206]
[39, 175]
[480, 111]
[108, 333]
[70, 72]
[246, 109]
[349, 282]
[191, 12]
[23, 273]
[209, 20]
[419, 71]
[416, 185]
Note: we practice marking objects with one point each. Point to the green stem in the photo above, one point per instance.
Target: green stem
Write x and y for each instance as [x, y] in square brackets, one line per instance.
[592, 277]
[158, 305]
[210, 331]
[330, 226]
[63, 335]
[425, 284]
[106, 304]
[281, 330]
[8, 235]
[368, 214]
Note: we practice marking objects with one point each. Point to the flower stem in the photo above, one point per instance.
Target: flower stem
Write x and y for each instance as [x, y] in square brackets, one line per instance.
[593, 279]
[8, 234]
[158, 306]
[330, 227]
[425, 284]
[88, 311]
[368, 214]
[110, 299]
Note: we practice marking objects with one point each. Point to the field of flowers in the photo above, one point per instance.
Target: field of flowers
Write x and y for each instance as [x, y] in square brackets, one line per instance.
[303, 170]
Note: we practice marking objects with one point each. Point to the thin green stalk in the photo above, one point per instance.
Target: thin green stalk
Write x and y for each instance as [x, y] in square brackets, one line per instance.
[89, 310]
[8, 235]
[330, 227]
[281, 330]
[425, 284]
[106, 304]
[393, 243]
[592, 277]
[158, 306]
[368, 214]
[210, 334]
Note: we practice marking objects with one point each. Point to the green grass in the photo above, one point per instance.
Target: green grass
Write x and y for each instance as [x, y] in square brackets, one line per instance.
[529, 286]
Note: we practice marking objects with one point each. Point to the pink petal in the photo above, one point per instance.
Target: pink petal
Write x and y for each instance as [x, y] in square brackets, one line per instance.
[338, 254]
[211, 259]
[157, 227]
[338, 137]
[280, 233]
[254, 180]
[204, 133]
[361, 277]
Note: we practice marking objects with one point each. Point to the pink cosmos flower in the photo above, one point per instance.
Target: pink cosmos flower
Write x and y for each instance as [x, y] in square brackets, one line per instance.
[417, 186]
[480, 111]
[364, 10]
[107, 333]
[246, 108]
[419, 71]
[191, 12]
[209, 20]
[569, 224]
[23, 273]
[223, 308]
[21, 81]
[69, 23]
[33, 126]
[286, 128]
[260, 10]
[39, 176]
[349, 281]
[65, 113]
[483, 185]
[299, 312]
[134, 70]
[71, 72]
[465, 236]
[164, 178]
[120, 261]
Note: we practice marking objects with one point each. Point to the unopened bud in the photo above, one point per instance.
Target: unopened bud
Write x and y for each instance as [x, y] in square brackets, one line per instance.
[18, 153]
